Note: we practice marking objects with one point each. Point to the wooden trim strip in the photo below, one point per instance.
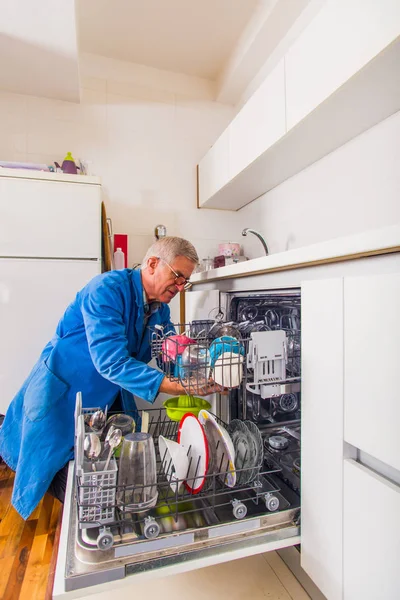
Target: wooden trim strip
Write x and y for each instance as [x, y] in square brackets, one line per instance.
[182, 309]
[313, 263]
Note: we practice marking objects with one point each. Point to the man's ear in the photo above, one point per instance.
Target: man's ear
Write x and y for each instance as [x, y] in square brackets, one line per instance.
[152, 263]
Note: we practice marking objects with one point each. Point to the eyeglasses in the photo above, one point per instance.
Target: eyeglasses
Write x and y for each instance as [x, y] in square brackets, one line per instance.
[179, 279]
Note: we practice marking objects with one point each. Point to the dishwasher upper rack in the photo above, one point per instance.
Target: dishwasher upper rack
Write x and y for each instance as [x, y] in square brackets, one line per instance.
[257, 486]
[207, 358]
[199, 360]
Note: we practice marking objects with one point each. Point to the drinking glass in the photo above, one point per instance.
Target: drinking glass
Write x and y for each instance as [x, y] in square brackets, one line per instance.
[137, 475]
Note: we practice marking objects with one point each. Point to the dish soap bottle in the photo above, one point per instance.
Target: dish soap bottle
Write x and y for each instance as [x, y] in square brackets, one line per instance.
[69, 165]
[119, 259]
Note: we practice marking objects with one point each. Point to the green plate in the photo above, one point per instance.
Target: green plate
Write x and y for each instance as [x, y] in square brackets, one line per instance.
[180, 405]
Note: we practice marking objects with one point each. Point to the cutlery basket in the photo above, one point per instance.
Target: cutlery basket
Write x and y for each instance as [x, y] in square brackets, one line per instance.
[96, 489]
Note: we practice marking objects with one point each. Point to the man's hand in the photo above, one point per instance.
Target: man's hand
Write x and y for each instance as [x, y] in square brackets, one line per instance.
[171, 387]
[204, 387]
[194, 387]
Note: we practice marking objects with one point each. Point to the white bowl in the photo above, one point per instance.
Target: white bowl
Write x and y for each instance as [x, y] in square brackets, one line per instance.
[228, 370]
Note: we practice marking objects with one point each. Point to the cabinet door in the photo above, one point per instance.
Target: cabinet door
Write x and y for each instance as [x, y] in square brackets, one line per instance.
[201, 305]
[322, 434]
[214, 168]
[372, 359]
[259, 124]
[49, 219]
[340, 40]
[371, 535]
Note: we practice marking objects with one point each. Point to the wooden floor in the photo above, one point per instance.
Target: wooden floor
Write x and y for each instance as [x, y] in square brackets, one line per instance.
[26, 547]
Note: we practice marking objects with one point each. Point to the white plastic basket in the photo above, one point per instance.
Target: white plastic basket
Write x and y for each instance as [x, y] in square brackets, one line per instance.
[97, 492]
[96, 489]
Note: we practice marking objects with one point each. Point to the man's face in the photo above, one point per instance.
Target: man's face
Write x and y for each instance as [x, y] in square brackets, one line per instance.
[164, 282]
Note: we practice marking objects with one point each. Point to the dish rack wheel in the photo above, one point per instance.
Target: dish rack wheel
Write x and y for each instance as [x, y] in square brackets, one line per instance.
[239, 509]
[271, 502]
[105, 539]
[151, 528]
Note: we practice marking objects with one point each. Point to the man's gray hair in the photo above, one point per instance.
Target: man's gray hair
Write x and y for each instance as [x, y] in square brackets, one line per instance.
[168, 248]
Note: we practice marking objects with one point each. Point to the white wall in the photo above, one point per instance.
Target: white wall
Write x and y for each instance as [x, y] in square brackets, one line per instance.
[144, 131]
[353, 189]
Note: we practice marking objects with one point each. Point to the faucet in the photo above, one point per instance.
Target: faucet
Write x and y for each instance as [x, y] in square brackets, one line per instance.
[260, 237]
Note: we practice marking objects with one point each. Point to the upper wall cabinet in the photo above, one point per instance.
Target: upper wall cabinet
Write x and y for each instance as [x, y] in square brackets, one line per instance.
[259, 124]
[342, 38]
[214, 169]
[340, 77]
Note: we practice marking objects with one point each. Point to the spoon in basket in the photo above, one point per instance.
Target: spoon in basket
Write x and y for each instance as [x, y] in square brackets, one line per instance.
[113, 441]
[97, 421]
[106, 444]
[92, 447]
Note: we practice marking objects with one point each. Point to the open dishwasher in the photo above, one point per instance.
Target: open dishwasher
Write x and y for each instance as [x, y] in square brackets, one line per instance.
[242, 500]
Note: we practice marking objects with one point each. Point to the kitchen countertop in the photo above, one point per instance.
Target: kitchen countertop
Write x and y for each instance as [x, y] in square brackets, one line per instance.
[368, 243]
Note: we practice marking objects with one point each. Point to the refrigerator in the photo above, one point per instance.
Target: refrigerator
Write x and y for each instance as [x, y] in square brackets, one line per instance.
[50, 247]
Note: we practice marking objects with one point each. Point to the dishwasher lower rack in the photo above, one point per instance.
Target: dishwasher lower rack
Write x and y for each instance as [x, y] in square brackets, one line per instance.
[178, 509]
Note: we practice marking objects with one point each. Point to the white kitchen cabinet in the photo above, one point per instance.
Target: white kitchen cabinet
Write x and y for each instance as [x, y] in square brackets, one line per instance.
[371, 535]
[214, 168]
[343, 37]
[371, 358]
[322, 434]
[338, 79]
[259, 124]
[350, 357]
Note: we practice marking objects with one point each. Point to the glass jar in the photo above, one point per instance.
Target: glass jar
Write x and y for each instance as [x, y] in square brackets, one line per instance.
[207, 264]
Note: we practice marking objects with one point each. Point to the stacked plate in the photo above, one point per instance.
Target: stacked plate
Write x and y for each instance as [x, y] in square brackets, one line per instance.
[192, 437]
[247, 442]
[222, 451]
[205, 449]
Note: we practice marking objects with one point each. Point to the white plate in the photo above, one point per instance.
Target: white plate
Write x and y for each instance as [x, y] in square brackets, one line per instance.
[258, 448]
[244, 450]
[192, 437]
[221, 448]
[175, 462]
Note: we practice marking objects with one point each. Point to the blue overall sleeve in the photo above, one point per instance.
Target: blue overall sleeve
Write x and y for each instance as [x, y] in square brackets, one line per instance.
[103, 308]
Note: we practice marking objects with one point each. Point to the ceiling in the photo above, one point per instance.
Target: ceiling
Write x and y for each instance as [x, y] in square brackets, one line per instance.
[195, 37]
[38, 49]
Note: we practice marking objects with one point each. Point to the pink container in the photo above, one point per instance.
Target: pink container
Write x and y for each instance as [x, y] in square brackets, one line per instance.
[175, 344]
[229, 249]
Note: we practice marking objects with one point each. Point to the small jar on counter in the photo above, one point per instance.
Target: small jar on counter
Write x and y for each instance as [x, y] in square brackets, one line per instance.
[207, 264]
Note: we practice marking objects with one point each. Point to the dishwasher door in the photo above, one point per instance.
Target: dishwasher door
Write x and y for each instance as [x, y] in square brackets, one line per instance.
[79, 567]
[82, 569]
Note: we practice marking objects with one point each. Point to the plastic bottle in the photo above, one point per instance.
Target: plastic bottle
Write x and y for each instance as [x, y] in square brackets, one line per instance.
[119, 259]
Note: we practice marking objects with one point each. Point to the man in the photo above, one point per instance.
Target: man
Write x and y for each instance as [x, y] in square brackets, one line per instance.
[101, 347]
